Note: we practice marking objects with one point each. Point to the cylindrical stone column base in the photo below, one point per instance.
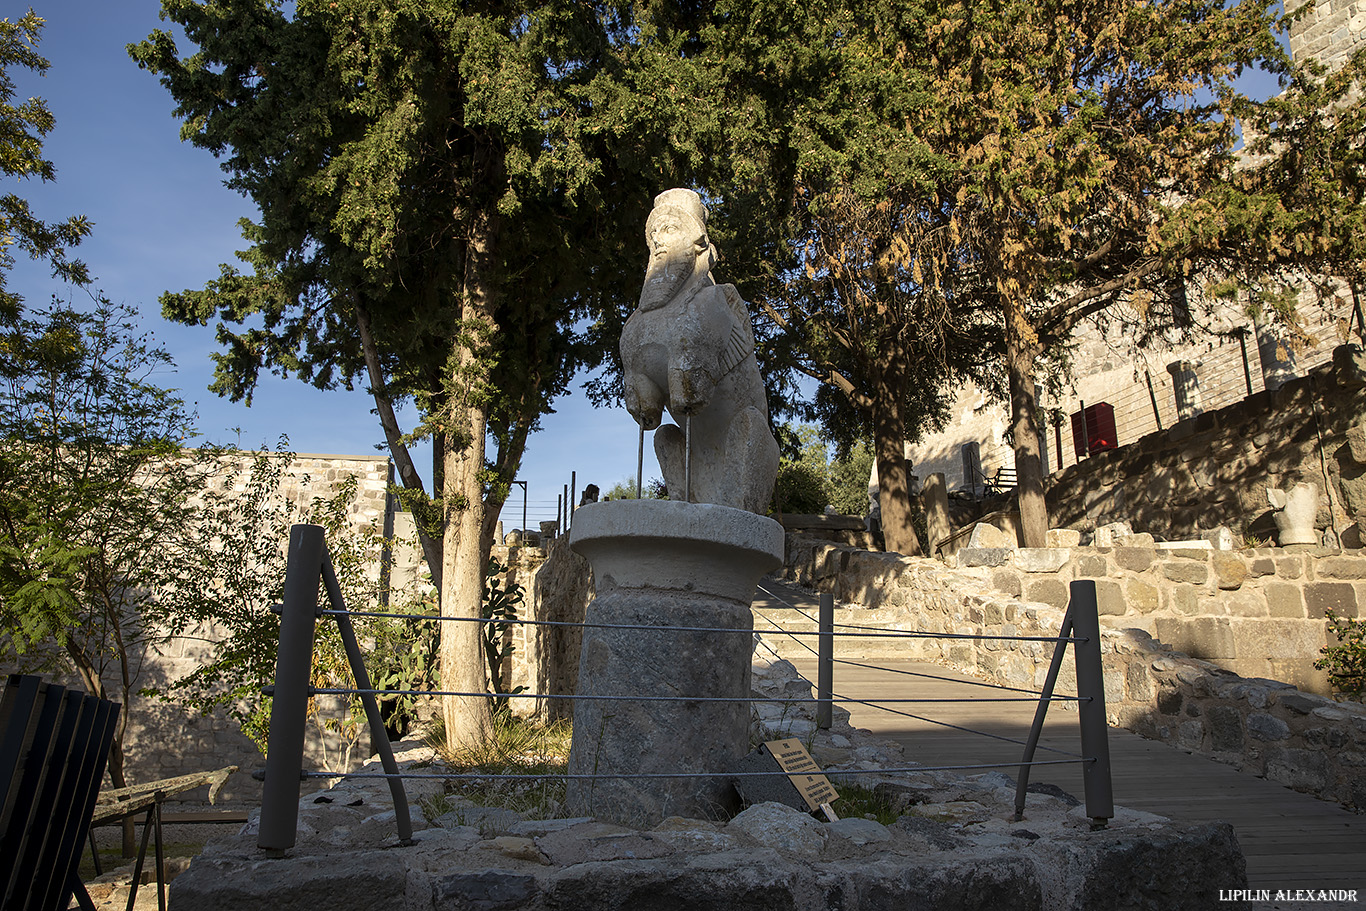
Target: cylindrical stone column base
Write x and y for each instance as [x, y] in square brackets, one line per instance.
[687, 573]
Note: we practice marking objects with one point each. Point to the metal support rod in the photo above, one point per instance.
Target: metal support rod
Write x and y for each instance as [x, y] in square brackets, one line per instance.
[379, 738]
[1085, 429]
[1152, 397]
[687, 458]
[1095, 736]
[573, 498]
[1036, 729]
[1247, 368]
[564, 513]
[289, 707]
[825, 668]
[640, 462]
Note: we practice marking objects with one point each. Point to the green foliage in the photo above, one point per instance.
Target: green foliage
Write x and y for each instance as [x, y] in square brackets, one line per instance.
[811, 480]
[1346, 661]
[95, 521]
[856, 801]
[849, 480]
[501, 597]
[799, 488]
[651, 489]
[230, 589]
[22, 128]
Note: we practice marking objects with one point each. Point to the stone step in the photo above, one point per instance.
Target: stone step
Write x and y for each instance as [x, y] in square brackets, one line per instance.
[772, 623]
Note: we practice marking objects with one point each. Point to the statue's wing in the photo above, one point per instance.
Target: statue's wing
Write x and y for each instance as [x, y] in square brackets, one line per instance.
[740, 343]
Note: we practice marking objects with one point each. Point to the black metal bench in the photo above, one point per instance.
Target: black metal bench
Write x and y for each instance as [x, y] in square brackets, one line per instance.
[54, 744]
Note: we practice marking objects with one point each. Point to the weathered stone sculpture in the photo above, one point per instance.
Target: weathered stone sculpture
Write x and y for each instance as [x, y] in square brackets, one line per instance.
[689, 348]
[1296, 510]
[661, 716]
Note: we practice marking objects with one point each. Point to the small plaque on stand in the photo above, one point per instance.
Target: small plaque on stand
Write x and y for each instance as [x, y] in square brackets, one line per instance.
[797, 780]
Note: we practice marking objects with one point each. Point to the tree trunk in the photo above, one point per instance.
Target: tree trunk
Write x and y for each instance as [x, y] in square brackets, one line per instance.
[463, 566]
[1022, 350]
[893, 476]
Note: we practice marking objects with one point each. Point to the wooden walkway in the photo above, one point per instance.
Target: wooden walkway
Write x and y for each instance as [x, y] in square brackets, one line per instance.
[1290, 840]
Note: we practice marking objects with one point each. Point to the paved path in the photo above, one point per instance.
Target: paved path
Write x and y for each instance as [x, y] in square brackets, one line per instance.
[1291, 840]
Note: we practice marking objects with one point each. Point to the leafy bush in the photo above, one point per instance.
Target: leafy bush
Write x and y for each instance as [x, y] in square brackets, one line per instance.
[501, 597]
[799, 488]
[1346, 661]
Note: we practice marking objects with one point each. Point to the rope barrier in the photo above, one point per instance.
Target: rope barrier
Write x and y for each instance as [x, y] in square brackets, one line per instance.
[872, 634]
[631, 776]
[346, 691]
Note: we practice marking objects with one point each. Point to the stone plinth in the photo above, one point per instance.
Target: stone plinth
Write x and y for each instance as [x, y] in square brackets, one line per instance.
[681, 570]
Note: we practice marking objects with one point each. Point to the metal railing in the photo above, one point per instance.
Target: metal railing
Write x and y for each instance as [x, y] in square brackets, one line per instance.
[309, 564]
[1080, 628]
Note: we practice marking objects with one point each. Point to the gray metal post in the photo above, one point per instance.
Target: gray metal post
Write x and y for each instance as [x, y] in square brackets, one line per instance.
[687, 458]
[289, 708]
[640, 462]
[573, 497]
[1095, 736]
[1040, 713]
[378, 736]
[825, 669]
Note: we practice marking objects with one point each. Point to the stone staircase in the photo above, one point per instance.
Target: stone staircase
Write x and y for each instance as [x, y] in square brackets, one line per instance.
[775, 622]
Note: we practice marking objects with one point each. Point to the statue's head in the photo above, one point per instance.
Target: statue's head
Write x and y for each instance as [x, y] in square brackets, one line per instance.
[676, 233]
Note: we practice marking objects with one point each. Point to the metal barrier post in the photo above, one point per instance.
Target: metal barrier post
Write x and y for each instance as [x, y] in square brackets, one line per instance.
[1095, 737]
[289, 708]
[1036, 729]
[378, 736]
[825, 668]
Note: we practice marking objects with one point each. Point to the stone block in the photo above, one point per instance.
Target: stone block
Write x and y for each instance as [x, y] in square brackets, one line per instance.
[1290, 567]
[1230, 570]
[1284, 600]
[1303, 770]
[1092, 566]
[1225, 728]
[1190, 735]
[1105, 535]
[1063, 537]
[1041, 559]
[1276, 639]
[986, 535]
[1182, 600]
[1052, 592]
[1134, 559]
[1199, 637]
[1007, 581]
[1138, 683]
[1186, 571]
[1267, 727]
[1110, 599]
[1340, 568]
[1142, 597]
[1339, 597]
[1261, 566]
[984, 556]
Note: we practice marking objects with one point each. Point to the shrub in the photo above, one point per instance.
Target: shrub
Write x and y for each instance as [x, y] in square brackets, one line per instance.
[1346, 661]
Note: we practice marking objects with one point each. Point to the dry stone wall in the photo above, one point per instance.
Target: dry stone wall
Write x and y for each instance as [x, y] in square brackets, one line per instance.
[1215, 469]
[1266, 727]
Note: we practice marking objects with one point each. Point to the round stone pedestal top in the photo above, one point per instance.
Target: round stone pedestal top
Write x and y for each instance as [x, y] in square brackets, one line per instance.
[677, 546]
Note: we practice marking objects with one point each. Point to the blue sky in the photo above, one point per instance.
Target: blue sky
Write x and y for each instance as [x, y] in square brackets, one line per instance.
[164, 221]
